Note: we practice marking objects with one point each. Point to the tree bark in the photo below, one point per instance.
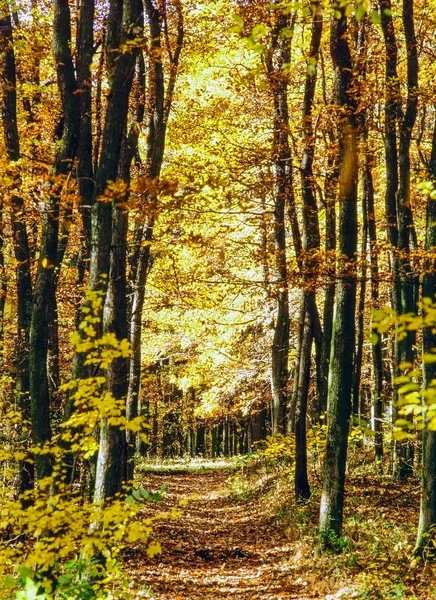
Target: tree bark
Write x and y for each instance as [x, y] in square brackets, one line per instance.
[159, 106]
[311, 244]
[424, 546]
[45, 283]
[342, 350]
[279, 55]
[108, 237]
[19, 235]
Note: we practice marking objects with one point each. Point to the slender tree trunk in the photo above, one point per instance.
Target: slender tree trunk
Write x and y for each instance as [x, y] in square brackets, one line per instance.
[377, 356]
[85, 171]
[45, 283]
[341, 360]
[329, 297]
[357, 374]
[424, 547]
[19, 235]
[112, 454]
[159, 106]
[109, 231]
[279, 55]
[311, 244]
[301, 482]
[398, 211]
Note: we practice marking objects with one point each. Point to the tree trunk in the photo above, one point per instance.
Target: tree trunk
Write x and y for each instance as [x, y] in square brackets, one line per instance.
[398, 212]
[341, 360]
[109, 230]
[279, 55]
[329, 297]
[19, 235]
[45, 283]
[360, 334]
[424, 547]
[159, 106]
[311, 244]
[377, 356]
[301, 482]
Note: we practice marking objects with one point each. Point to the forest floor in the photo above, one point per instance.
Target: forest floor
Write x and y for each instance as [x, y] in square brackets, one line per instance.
[238, 542]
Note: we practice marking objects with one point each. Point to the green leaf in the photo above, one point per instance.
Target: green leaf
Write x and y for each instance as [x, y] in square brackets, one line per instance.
[400, 435]
[404, 424]
[258, 31]
[429, 358]
[24, 573]
[360, 13]
[64, 579]
[145, 493]
[238, 26]
[375, 17]
[136, 494]
[374, 339]
[10, 581]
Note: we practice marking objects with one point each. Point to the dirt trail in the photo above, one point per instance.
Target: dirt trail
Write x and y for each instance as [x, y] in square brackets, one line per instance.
[220, 548]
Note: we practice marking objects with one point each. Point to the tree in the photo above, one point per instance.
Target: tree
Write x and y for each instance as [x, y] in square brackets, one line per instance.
[311, 246]
[427, 513]
[109, 235]
[341, 358]
[279, 56]
[159, 107]
[20, 237]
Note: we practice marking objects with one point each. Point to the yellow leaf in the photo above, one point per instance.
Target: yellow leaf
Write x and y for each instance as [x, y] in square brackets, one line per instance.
[153, 549]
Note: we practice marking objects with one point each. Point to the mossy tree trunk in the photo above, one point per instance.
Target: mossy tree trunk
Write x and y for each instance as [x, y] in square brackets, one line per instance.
[427, 513]
[342, 350]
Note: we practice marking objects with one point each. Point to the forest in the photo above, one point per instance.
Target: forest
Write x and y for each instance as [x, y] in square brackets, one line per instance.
[217, 299]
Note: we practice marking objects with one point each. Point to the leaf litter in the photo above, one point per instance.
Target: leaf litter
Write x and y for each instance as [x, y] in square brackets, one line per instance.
[263, 547]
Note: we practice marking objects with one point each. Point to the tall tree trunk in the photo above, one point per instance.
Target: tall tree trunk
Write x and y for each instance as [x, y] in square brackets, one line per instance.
[360, 334]
[401, 233]
[408, 282]
[341, 360]
[108, 238]
[377, 356]
[19, 234]
[85, 171]
[45, 284]
[279, 55]
[329, 297]
[159, 106]
[427, 512]
[311, 244]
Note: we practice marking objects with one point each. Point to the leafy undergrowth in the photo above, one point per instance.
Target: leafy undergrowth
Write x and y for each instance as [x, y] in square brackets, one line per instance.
[249, 540]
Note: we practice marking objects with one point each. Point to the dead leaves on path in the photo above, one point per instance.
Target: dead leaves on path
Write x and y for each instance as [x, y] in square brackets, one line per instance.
[263, 548]
[219, 549]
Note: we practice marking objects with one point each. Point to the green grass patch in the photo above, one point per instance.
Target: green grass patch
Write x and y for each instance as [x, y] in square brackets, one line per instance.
[185, 466]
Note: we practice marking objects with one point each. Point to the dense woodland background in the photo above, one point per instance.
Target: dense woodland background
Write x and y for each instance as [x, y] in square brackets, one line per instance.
[206, 209]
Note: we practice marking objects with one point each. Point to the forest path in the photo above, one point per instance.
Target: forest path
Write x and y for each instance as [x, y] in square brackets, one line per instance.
[221, 548]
